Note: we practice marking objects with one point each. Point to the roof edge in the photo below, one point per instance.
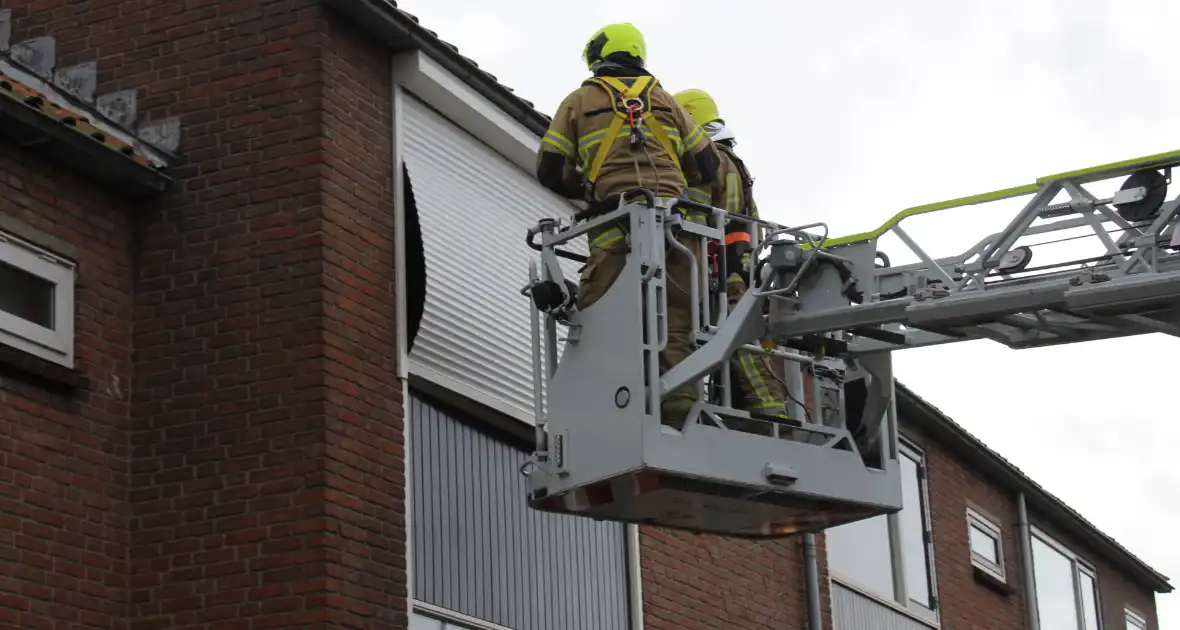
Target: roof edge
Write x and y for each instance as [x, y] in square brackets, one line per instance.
[929, 418]
[32, 122]
[401, 31]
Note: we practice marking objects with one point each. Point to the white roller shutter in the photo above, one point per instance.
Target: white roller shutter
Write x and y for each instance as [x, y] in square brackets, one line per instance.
[474, 207]
[480, 551]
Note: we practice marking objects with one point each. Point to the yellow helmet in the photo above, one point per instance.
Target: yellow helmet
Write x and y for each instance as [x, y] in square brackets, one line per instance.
[615, 38]
[699, 105]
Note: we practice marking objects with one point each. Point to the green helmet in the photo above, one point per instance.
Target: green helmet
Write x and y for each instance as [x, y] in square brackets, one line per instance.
[699, 105]
[612, 39]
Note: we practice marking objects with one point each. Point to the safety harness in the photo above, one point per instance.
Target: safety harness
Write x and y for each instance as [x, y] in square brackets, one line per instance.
[631, 104]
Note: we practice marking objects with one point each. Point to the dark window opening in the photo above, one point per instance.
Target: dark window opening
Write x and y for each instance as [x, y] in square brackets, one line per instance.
[415, 261]
[26, 296]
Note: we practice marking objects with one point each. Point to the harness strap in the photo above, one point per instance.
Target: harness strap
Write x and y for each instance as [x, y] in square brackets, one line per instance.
[630, 104]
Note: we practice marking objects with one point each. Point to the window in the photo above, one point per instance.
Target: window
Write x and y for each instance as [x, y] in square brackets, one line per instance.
[1134, 620]
[36, 301]
[987, 547]
[915, 531]
[865, 554]
[859, 553]
[1066, 587]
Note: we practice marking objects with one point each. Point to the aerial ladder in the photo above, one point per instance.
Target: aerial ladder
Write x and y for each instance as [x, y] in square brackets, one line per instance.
[838, 309]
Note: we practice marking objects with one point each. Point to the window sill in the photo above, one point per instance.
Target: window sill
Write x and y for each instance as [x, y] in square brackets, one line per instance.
[452, 618]
[22, 366]
[992, 582]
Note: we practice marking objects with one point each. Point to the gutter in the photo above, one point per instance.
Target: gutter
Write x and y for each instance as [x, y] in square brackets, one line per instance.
[38, 133]
[42, 119]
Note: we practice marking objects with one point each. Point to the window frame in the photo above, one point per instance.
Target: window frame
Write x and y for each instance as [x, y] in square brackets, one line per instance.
[450, 619]
[54, 345]
[1079, 566]
[1134, 620]
[931, 612]
[900, 599]
[991, 528]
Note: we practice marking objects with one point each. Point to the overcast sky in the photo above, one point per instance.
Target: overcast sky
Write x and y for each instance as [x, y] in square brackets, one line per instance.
[847, 112]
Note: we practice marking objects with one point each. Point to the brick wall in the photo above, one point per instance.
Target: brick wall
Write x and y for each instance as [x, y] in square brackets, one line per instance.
[63, 456]
[365, 410]
[701, 582]
[967, 602]
[263, 437]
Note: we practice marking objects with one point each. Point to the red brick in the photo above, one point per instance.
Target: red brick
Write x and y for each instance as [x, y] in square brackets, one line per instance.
[208, 311]
[711, 582]
[66, 456]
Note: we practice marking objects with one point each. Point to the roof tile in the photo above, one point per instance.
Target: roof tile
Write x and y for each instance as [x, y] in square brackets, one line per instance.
[471, 62]
[13, 89]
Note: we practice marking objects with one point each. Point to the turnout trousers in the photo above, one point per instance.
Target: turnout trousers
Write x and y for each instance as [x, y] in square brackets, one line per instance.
[607, 257]
[757, 389]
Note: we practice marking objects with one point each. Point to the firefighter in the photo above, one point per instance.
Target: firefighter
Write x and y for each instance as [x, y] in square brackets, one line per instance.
[664, 151]
[759, 391]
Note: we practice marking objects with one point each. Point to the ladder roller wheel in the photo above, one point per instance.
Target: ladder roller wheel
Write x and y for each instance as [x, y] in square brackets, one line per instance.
[1016, 259]
[1157, 191]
